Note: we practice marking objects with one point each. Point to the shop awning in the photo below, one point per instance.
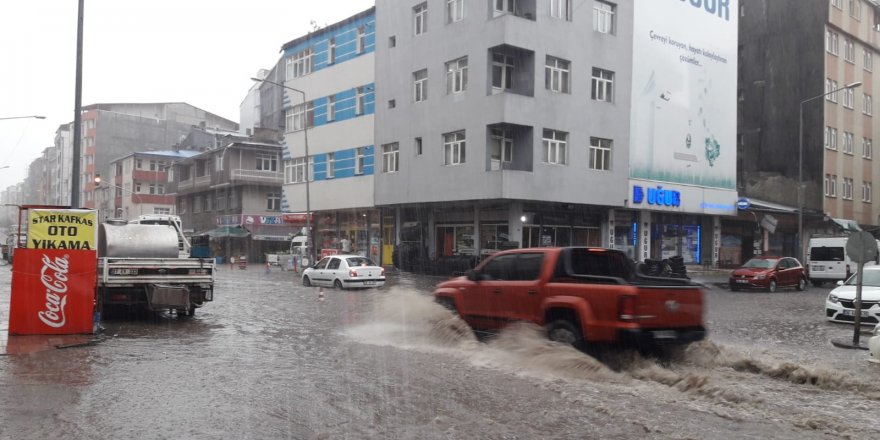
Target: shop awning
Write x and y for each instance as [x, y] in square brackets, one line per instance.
[228, 231]
[761, 205]
[847, 225]
[283, 232]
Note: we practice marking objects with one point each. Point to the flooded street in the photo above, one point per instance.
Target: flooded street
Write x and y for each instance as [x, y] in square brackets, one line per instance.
[268, 359]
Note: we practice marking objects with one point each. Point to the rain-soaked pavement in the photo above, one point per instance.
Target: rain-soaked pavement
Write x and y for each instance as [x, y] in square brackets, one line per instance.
[268, 359]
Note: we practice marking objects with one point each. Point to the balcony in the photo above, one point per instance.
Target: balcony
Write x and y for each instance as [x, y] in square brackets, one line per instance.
[149, 176]
[258, 176]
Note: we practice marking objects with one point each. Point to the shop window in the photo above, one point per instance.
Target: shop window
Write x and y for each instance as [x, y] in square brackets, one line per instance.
[455, 240]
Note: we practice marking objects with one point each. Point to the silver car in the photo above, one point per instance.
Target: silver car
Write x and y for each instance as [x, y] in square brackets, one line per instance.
[343, 272]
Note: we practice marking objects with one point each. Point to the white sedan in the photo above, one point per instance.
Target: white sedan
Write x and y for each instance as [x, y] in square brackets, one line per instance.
[344, 271]
[840, 304]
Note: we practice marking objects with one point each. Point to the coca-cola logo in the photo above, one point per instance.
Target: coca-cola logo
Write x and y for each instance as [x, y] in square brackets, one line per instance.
[53, 275]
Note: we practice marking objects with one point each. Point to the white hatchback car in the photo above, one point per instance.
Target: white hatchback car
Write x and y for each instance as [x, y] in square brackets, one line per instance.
[840, 304]
[344, 271]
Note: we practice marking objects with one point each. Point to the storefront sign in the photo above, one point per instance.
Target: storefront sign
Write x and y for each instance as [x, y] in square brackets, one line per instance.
[657, 196]
[62, 229]
[262, 219]
[297, 219]
[743, 203]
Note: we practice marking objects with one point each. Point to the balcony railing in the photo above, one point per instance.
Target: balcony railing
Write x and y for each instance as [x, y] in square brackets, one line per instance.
[275, 177]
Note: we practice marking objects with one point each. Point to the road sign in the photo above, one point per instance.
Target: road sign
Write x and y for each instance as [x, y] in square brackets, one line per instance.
[861, 247]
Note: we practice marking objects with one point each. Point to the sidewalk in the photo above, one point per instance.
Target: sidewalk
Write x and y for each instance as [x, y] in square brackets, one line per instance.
[709, 278]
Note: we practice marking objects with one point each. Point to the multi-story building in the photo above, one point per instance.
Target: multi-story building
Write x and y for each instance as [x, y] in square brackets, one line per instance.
[523, 123]
[791, 53]
[233, 193]
[137, 184]
[60, 169]
[333, 68]
[110, 131]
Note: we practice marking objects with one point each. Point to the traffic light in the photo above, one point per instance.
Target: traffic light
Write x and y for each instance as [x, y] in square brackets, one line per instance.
[97, 180]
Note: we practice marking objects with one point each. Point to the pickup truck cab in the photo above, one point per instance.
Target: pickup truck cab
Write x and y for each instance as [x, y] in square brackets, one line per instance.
[580, 295]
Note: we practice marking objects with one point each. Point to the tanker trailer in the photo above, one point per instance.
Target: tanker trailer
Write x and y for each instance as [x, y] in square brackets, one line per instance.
[139, 265]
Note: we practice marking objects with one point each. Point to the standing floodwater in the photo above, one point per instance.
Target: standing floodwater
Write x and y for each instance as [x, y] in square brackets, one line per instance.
[267, 359]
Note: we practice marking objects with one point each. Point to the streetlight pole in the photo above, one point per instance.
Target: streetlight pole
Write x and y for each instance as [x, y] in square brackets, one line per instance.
[800, 234]
[309, 236]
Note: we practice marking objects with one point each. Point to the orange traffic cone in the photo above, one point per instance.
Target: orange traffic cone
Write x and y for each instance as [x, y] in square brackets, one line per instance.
[320, 294]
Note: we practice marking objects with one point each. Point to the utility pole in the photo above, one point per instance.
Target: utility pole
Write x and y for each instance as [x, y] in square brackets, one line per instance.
[77, 113]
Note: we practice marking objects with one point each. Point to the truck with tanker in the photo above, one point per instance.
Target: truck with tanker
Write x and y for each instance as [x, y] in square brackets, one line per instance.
[148, 263]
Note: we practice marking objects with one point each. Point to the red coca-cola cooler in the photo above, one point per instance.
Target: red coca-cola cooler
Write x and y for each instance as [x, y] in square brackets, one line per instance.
[53, 292]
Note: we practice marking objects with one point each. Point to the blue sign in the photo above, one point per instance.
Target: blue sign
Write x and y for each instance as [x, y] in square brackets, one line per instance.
[743, 204]
[657, 196]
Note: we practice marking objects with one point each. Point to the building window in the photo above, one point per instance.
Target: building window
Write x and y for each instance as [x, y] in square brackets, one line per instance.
[855, 9]
[603, 85]
[456, 75]
[867, 104]
[502, 71]
[867, 192]
[157, 188]
[557, 74]
[454, 10]
[603, 17]
[295, 170]
[331, 165]
[392, 103]
[209, 203]
[868, 60]
[420, 19]
[500, 147]
[848, 140]
[137, 188]
[298, 116]
[299, 64]
[361, 39]
[504, 6]
[847, 188]
[360, 103]
[831, 185]
[359, 160]
[867, 148]
[198, 204]
[392, 41]
[138, 164]
[831, 138]
[162, 211]
[560, 9]
[849, 98]
[555, 147]
[331, 108]
[390, 157]
[454, 148]
[420, 85]
[600, 154]
[418, 146]
[831, 85]
[273, 202]
[331, 51]
[849, 50]
[837, 4]
[267, 162]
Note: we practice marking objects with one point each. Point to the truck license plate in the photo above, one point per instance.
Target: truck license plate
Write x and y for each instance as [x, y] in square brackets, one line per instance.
[124, 272]
[664, 334]
[818, 268]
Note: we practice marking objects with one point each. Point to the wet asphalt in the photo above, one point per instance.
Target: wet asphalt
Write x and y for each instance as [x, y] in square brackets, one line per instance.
[270, 359]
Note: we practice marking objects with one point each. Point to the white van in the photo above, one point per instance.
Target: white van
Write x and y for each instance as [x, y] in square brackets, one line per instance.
[298, 252]
[828, 260]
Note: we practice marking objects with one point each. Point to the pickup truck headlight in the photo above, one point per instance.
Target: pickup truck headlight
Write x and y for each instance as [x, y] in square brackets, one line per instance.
[833, 299]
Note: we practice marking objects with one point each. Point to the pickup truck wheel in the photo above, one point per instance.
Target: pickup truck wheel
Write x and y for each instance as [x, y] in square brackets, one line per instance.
[564, 332]
[188, 312]
[448, 304]
[307, 282]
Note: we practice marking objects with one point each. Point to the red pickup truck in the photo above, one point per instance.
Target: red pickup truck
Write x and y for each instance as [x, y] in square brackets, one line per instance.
[580, 295]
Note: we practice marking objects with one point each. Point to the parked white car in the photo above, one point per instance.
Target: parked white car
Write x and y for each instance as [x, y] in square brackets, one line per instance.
[840, 304]
[874, 346]
[344, 271]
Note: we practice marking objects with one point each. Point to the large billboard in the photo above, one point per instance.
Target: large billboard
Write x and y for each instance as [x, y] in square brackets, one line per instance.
[684, 92]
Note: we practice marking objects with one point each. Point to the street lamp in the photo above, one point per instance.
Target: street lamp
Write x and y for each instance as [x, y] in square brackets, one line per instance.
[800, 234]
[23, 117]
[309, 236]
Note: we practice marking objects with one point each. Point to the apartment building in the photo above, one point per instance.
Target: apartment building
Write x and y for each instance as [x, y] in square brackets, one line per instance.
[325, 111]
[793, 55]
[60, 170]
[137, 184]
[112, 130]
[521, 123]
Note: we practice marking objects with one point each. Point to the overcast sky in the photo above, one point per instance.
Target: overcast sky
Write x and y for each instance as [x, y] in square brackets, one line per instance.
[201, 52]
